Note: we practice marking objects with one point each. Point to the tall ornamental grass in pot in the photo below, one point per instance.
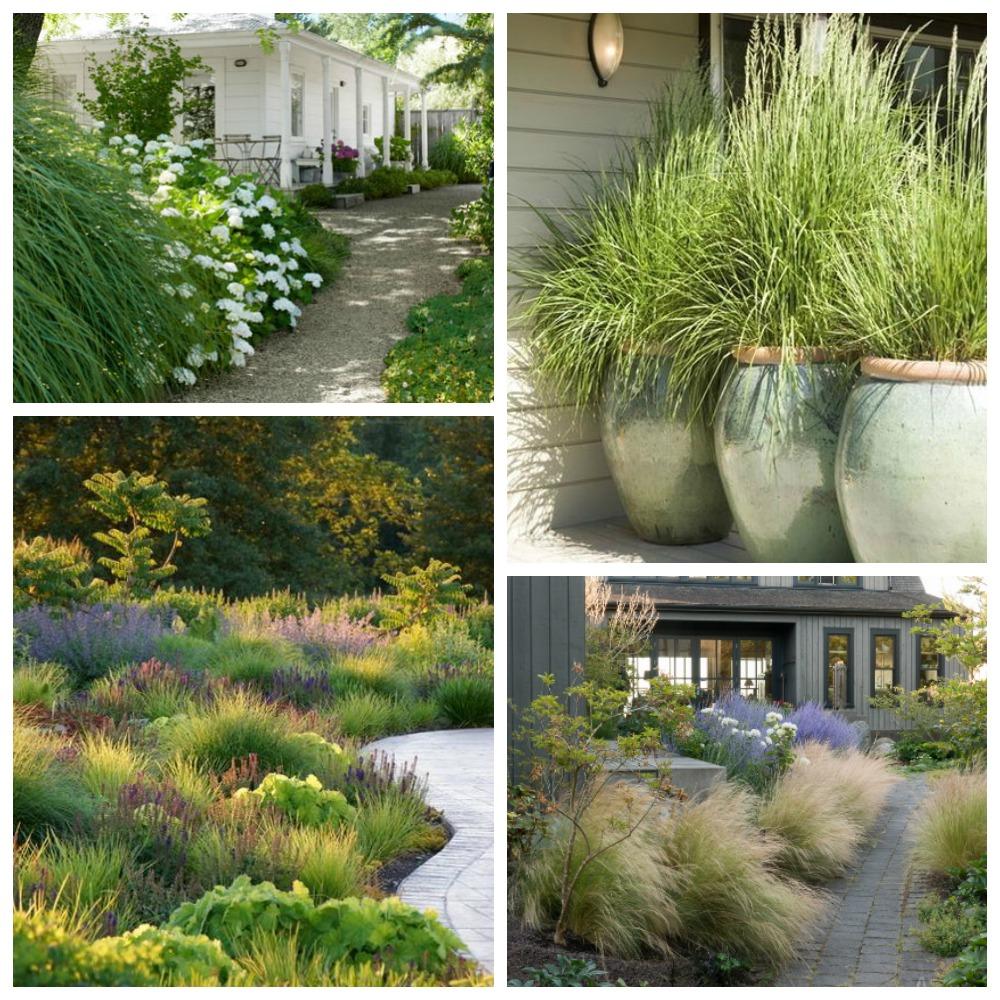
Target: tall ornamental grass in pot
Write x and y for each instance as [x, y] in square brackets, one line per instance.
[911, 296]
[606, 293]
[814, 146]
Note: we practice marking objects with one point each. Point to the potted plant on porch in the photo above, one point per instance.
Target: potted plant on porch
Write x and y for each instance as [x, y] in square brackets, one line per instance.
[600, 300]
[768, 291]
[911, 466]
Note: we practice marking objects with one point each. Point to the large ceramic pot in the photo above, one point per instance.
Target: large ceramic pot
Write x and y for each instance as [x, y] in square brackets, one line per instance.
[663, 466]
[911, 464]
[776, 444]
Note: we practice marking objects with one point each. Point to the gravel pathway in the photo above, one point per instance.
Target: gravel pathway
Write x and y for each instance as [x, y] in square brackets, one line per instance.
[457, 882]
[868, 938]
[401, 254]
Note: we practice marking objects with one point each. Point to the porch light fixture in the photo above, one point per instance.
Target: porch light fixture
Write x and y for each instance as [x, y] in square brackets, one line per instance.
[606, 42]
[240, 62]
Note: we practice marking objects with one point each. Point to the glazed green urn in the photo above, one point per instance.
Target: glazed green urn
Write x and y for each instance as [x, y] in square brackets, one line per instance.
[911, 463]
[663, 465]
[776, 434]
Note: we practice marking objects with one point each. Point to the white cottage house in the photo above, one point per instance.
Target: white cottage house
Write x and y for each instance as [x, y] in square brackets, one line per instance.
[282, 99]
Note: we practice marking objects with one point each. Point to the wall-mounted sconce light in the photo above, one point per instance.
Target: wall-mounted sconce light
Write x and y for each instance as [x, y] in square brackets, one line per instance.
[606, 42]
[240, 62]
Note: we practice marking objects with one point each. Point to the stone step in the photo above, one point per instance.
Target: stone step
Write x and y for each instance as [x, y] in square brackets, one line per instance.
[348, 200]
[694, 777]
[413, 189]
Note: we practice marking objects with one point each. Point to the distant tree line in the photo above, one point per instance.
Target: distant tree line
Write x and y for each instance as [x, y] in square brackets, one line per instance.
[322, 505]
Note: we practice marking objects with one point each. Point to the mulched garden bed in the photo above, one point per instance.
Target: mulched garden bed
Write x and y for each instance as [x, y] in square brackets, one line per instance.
[527, 949]
[389, 876]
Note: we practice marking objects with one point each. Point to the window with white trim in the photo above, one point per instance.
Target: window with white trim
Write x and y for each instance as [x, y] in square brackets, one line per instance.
[298, 103]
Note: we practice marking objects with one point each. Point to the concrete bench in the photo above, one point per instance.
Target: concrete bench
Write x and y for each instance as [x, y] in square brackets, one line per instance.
[348, 200]
[694, 777]
[413, 189]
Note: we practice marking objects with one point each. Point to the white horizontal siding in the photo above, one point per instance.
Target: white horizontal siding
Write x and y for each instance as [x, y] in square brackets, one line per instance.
[563, 127]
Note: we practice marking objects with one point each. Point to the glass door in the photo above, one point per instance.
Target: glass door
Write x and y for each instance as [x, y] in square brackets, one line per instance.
[716, 663]
[756, 671]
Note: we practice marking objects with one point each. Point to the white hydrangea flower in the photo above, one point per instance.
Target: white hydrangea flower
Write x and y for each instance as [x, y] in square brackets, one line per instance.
[129, 151]
[235, 289]
[704, 711]
[196, 356]
[220, 233]
[185, 376]
[267, 231]
[273, 259]
[115, 140]
[212, 356]
[167, 177]
[229, 267]
[287, 305]
[241, 329]
[236, 358]
[250, 212]
[152, 146]
[185, 291]
[170, 213]
[239, 344]
[755, 733]
[163, 137]
[197, 143]
[181, 152]
[135, 169]
[292, 265]
[266, 202]
[203, 261]
[298, 249]
[244, 193]
[133, 140]
[222, 182]
[235, 220]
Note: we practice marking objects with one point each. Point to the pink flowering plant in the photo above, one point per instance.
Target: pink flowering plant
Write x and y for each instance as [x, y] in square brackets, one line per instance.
[237, 258]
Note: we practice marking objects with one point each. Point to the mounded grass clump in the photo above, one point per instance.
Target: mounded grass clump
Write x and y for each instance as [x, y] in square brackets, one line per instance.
[394, 823]
[466, 702]
[724, 889]
[238, 725]
[950, 828]
[107, 764]
[373, 672]
[327, 861]
[366, 715]
[46, 684]
[47, 794]
[252, 660]
[620, 904]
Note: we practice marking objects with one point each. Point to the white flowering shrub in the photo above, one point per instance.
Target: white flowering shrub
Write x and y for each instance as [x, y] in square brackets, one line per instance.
[237, 258]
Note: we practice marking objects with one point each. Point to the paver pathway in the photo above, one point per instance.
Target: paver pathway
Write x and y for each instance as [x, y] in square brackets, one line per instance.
[457, 882]
[868, 937]
[401, 254]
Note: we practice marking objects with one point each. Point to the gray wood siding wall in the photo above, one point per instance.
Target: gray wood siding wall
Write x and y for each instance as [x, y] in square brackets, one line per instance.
[561, 125]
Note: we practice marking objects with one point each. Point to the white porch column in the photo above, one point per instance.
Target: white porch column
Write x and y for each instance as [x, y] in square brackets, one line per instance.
[407, 130]
[359, 115]
[423, 130]
[285, 174]
[387, 117]
[327, 142]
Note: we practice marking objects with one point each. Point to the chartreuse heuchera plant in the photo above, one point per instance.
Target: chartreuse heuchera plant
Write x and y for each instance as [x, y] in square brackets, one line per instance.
[193, 801]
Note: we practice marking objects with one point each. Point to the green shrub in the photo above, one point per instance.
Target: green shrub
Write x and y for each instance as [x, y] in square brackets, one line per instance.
[474, 220]
[431, 179]
[50, 572]
[448, 356]
[450, 153]
[46, 793]
[724, 891]
[970, 968]
[316, 196]
[399, 147]
[950, 828]
[353, 931]
[45, 684]
[949, 924]
[466, 702]
[91, 321]
[327, 251]
[199, 610]
[239, 724]
[50, 951]
[185, 651]
[305, 802]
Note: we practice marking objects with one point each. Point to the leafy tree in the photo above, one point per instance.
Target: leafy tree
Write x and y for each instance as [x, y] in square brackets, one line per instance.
[140, 87]
[362, 32]
[27, 28]
[143, 505]
[962, 636]
[423, 595]
[47, 571]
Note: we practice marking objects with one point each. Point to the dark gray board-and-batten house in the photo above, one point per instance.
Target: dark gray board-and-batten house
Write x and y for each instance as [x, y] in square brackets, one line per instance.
[832, 640]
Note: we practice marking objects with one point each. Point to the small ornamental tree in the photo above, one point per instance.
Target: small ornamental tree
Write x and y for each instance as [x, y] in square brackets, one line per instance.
[50, 572]
[140, 87]
[149, 512]
[963, 636]
[423, 595]
[572, 766]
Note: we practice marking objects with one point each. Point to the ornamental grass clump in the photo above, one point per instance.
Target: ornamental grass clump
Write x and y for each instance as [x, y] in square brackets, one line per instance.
[106, 765]
[91, 321]
[950, 830]
[724, 889]
[621, 903]
[45, 684]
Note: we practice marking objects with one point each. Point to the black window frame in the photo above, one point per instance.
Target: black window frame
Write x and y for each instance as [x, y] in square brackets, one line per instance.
[920, 638]
[847, 630]
[700, 581]
[875, 634]
[797, 582]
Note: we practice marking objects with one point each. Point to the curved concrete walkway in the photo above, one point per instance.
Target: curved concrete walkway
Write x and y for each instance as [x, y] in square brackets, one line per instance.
[868, 938]
[401, 254]
[457, 882]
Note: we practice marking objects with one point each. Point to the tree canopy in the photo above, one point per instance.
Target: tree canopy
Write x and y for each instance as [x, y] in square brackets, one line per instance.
[323, 505]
